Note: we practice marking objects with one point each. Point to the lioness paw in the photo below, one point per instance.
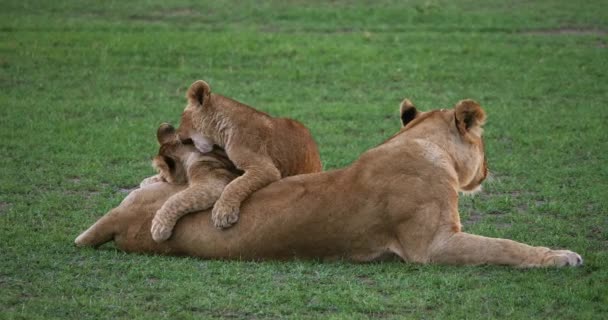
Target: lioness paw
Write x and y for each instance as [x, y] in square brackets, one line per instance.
[562, 258]
[160, 230]
[224, 216]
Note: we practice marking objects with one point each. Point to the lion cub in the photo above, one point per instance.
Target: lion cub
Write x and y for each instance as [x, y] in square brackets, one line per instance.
[265, 148]
[206, 174]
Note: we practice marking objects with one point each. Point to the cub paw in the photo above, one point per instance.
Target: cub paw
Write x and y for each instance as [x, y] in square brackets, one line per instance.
[160, 230]
[150, 180]
[224, 216]
[562, 258]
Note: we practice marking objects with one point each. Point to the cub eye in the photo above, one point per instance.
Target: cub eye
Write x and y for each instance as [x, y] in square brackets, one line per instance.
[187, 141]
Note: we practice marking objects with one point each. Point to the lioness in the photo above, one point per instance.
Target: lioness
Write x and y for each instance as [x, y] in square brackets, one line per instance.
[399, 198]
[265, 148]
[206, 174]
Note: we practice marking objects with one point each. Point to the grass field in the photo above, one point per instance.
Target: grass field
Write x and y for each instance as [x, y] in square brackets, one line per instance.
[84, 84]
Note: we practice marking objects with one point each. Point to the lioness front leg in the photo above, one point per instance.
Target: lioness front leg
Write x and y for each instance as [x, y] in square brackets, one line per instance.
[195, 198]
[226, 210]
[463, 248]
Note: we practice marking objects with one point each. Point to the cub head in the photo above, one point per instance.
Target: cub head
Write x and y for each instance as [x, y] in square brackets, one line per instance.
[197, 116]
[457, 132]
[172, 155]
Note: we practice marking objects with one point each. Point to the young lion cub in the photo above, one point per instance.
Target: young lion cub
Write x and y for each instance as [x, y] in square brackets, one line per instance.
[265, 148]
[207, 174]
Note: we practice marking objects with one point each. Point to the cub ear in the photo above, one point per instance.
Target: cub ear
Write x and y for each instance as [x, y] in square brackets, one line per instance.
[469, 117]
[408, 112]
[198, 93]
[165, 133]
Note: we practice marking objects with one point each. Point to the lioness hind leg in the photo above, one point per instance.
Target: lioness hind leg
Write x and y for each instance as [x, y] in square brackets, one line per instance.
[101, 231]
[195, 198]
[463, 248]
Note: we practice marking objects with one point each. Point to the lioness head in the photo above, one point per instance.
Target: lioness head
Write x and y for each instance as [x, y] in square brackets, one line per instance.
[456, 132]
[172, 154]
[196, 115]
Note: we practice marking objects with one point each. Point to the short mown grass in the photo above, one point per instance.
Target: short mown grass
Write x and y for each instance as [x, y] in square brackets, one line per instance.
[84, 85]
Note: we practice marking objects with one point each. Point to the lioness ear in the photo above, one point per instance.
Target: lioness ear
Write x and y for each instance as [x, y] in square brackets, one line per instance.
[408, 112]
[198, 93]
[469, 117]
[165, 133]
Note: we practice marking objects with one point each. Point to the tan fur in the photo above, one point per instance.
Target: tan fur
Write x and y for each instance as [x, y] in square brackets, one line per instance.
[265, 148]
[399, 198]
[206, 175]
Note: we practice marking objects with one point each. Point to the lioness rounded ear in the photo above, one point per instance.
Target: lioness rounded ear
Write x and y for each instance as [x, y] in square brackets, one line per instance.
[198, 93]
[469, 116]
[165, 133]
[407, 111]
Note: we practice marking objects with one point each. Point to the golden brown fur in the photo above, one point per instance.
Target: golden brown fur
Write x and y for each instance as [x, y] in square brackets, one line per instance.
[205, 174]
[265, 148]
[399, 198]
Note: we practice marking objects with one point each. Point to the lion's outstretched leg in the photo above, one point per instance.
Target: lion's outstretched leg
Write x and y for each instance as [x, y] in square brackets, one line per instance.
[195, 198]
[466, 249]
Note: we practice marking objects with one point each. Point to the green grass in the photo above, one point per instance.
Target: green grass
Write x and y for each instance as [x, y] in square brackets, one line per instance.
[84, 85]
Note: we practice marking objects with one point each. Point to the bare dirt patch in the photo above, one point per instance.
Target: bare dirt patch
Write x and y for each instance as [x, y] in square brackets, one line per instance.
[366, 280]
[596, 233]
[4, 206]
[88, 194]
[321, 30]
[161, 15]
[74, 180]
[127, 189]
[567, 31]
[476, 217]
[473, 218]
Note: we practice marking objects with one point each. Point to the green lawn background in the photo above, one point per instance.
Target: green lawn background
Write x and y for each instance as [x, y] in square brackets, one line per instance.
[84, 84]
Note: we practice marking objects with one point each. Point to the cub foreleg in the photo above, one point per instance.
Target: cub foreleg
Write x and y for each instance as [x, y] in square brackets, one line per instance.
[226, 210]
[151, 180]
[196, 197]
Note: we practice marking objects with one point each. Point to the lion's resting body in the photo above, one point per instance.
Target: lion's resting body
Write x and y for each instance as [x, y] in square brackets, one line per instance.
[398, 198]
